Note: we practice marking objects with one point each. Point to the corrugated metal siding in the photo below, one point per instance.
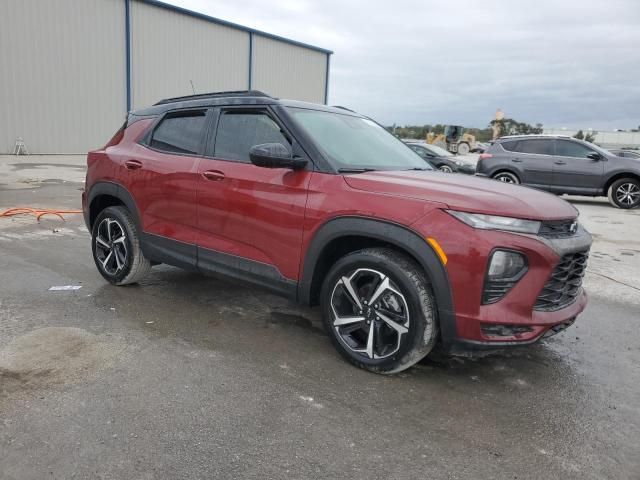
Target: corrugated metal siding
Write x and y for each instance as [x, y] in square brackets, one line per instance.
[288, 71]
[170, 49]
[62, 74]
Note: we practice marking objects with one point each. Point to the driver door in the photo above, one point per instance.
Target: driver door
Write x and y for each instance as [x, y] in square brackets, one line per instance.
[573, 170]
[249, 218]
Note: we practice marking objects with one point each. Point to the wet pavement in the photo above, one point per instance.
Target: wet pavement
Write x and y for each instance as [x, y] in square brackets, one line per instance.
[186, 376]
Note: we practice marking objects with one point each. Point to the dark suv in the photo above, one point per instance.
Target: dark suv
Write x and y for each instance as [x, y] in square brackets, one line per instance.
[326, 207]
[563, 165]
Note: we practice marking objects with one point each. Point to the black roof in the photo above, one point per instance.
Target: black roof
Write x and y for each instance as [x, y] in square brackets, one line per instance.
[235, 97]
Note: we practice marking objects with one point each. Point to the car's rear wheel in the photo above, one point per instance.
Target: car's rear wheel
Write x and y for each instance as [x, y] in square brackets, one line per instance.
[379, 310]
[625, 193]
[507, 177]
[116, 247]
[445, 169]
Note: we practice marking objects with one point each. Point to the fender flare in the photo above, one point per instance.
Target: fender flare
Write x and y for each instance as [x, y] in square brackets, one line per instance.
[397, 235]
[114, 190]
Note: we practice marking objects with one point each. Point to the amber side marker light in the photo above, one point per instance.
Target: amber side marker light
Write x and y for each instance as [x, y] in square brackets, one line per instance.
[438, 249]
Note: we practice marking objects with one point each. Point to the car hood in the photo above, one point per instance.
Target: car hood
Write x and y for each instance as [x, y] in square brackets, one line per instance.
[466, 193]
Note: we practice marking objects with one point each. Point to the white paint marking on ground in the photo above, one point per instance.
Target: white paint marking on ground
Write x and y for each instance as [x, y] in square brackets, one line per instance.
[311, 402]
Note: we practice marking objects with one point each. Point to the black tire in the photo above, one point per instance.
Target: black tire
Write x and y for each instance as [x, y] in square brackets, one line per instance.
[625, 193]
[506, 177]
[416, 302]
[127, 263]
[445, 168]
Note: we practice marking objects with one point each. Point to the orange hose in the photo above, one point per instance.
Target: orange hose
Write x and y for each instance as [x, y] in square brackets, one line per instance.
[37, 212]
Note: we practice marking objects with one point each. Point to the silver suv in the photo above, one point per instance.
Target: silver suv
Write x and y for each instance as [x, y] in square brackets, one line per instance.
[563, 165]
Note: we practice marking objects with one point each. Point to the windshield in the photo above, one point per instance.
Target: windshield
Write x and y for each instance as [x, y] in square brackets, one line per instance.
[436, 150]
[352, 142]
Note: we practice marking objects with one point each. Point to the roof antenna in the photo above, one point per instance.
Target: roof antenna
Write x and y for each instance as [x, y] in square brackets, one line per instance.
[192, 87]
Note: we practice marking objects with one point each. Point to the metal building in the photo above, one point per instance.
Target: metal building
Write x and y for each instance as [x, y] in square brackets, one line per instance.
[70, 70]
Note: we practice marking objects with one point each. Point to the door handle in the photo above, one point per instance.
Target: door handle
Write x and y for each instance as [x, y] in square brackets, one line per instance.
[213, 175]
[133, 164]
[560, 162]
[517, 160]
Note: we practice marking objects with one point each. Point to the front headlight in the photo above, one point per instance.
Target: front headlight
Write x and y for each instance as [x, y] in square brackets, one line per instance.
[494, 222]
[460, 163]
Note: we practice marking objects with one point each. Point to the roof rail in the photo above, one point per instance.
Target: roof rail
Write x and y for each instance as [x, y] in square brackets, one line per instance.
[343, 108]
[234, 93]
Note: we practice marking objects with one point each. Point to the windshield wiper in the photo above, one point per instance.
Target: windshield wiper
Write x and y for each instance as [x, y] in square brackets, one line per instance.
[420, 169]
[356, 170]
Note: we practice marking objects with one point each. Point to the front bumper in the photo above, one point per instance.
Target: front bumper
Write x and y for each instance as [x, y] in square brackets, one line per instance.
[468, 252]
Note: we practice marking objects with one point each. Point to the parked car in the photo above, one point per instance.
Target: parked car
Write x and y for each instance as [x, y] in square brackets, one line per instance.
[327, 208]
[563, 165]
[626, 153]
[441, 159]
[480, 147]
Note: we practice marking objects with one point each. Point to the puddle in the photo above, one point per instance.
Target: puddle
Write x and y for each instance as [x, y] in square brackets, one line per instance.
[51, 356]
[282, 318]
[26, 166]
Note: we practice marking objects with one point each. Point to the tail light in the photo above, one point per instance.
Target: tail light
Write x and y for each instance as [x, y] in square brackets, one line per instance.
[484, 156]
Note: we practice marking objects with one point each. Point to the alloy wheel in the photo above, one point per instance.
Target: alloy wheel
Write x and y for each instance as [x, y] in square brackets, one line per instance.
[111, 248]
[505, 178]
[370, 314]
[628, 194]
[445, 169]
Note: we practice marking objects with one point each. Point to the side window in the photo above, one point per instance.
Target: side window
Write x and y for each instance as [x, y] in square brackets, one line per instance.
[566, 148]
[238, 131]
[510, 146]
[180, 132]
[419, 150]
[538, 146]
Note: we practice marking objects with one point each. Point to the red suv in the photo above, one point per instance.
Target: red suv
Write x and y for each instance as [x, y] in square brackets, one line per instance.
[324, 206]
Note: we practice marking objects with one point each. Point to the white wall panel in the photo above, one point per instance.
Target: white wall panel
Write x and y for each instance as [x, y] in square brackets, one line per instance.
[170, 49]
[62, 74]
[288, 71]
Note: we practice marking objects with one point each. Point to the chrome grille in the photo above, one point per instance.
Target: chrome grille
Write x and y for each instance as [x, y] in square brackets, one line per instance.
[564, 284]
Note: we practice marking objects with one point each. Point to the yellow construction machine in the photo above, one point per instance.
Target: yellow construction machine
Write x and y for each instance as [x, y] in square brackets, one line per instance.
[453, 139]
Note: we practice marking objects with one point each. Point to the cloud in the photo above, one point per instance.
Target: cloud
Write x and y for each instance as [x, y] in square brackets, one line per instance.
[570, 63]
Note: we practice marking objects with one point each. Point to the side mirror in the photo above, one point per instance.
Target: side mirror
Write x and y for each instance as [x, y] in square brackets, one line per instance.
[275, 155]
[594, 156]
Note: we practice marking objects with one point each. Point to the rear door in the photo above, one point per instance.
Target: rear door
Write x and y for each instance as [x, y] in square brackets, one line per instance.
[162, 179]
[536, 161]
[250, 219]
[573, 171]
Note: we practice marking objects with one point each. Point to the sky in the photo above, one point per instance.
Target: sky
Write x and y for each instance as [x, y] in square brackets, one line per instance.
[562, 63]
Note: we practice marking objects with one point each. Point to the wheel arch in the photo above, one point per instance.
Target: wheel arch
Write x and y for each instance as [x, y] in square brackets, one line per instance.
[618, 176]
[108, 194]
[342, 235]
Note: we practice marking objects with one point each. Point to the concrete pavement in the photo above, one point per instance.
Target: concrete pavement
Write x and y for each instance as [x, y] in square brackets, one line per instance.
[186, 376]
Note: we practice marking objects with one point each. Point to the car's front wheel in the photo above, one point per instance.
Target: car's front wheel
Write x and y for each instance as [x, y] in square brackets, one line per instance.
[625, 193]
[116, 247]
[379, 310]
[445, 168]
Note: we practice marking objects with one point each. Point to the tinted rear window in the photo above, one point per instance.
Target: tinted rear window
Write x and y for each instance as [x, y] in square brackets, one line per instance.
[540, 147]
[510, 145]
[180, 132]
